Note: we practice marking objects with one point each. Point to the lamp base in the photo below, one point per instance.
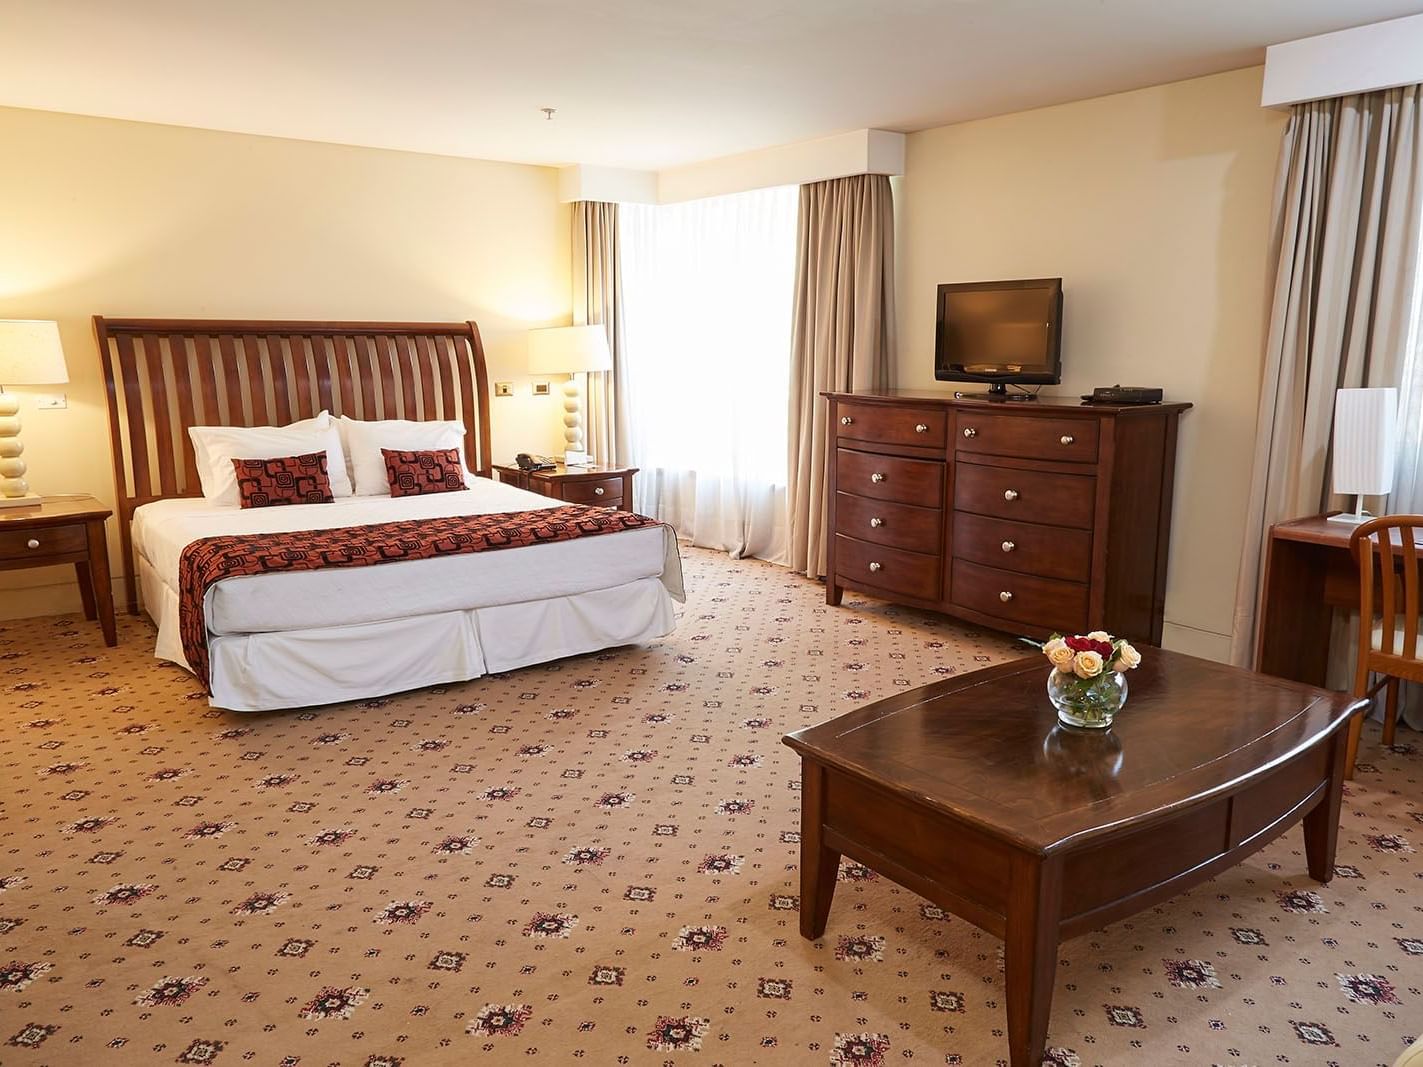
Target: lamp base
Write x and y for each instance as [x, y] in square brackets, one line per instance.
[1351, 518]
[29, 500]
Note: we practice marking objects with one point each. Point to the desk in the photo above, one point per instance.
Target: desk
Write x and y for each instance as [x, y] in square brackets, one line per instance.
[1309, 571]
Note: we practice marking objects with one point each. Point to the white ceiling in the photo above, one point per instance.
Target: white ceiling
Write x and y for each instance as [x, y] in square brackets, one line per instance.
[637, 83]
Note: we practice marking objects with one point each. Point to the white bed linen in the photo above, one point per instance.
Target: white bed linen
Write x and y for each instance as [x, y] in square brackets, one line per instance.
[338, 596]
[306, 668]
[317, 637]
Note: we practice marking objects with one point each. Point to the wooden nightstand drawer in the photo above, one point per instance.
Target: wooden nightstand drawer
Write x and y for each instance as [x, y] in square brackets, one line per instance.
[607, 492]
[41, 542]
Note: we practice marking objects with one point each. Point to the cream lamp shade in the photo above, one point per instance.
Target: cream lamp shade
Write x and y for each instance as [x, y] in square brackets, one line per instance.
[570, 350]
[30, 354]
[1365, 445]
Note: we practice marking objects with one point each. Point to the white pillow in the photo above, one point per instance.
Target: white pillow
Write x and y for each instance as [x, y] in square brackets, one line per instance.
[215, 447]
[364, 440]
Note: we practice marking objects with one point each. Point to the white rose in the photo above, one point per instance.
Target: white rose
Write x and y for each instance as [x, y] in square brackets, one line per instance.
[1058, 654]
[1087, 664]
[1099, 635]
[1128, 658]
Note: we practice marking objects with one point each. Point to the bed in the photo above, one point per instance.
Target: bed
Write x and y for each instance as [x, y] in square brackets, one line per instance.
[282, 640]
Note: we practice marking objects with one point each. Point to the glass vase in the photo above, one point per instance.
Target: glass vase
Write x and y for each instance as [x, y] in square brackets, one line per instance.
[1091, 703]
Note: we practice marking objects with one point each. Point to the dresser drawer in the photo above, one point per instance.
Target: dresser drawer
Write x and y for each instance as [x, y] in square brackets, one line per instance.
[908, 481]
[1036, 496]
[607, 492]
[1039, 604]
[1030, 548]
[886, 523]
[1028, 437]
[892, 424]
[893, 570]
[47, 541]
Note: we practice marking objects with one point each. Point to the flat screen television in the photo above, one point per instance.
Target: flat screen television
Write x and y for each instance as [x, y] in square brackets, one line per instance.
[1002, 333]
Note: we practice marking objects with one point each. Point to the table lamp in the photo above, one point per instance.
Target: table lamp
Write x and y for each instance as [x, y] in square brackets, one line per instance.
[1365, 445]
[570, 350]
[30, 354]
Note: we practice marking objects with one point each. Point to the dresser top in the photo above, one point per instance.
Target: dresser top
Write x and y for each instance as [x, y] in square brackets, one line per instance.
[1043, 404]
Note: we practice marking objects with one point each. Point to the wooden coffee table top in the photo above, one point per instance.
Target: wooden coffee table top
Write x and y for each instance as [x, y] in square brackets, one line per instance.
[985, 747]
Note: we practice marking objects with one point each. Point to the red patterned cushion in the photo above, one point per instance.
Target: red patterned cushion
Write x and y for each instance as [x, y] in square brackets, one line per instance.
[265, 483]
[416, 473]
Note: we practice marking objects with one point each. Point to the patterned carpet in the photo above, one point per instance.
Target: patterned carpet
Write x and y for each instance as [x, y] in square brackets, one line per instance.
[595, 861]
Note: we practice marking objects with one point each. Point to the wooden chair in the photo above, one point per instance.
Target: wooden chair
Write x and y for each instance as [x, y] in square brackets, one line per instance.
[1390, 646]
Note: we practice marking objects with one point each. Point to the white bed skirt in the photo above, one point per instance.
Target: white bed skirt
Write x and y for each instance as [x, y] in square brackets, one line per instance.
[303, 668]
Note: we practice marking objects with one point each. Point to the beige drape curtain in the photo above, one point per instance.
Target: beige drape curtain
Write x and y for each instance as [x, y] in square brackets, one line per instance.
[843, 334]
[1345, 253]
[598, 298]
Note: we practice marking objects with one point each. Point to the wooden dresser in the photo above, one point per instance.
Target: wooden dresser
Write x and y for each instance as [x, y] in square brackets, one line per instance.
[1027, 516]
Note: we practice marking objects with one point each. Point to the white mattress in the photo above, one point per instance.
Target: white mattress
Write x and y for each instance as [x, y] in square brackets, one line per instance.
[308, 600]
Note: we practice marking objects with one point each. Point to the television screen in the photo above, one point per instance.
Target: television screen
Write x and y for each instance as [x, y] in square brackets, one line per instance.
[1000, 332]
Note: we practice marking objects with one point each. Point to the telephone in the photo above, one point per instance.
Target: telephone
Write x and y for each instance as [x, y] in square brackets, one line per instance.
[527, 462]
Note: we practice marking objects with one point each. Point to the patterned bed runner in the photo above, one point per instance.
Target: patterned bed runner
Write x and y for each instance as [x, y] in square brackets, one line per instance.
[208, 561]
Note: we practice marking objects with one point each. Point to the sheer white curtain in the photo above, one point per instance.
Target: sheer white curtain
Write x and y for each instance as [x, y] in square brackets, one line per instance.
[707, 299]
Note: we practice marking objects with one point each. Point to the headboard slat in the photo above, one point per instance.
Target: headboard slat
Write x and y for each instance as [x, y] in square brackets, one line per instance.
[162, 419]
[428, 376]
[241, 373]
[133, 407]
[178, 355]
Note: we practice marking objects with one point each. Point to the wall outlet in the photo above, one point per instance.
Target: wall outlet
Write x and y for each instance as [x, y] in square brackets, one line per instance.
[540, 388]
[503, 388]
[51, 402]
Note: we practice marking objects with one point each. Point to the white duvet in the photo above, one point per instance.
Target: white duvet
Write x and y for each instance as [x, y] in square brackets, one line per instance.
[307, 600]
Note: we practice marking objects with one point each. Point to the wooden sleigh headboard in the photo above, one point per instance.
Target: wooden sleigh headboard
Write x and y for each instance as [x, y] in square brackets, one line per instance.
[165, 375]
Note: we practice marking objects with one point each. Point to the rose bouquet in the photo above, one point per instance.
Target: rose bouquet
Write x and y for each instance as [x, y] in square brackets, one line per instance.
[1087, 684]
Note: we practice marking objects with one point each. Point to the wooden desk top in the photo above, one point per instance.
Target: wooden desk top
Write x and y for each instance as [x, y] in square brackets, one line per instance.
[986, 748]
[54, 511]
[1318, 530]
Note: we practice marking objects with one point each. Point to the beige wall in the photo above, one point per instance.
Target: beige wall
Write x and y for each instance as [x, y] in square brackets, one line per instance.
[1153, 206]
[131, 219]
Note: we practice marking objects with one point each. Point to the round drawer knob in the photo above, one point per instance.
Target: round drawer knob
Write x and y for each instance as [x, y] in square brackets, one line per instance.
[876, 522]
[876, 477]
[1067, 439]
[598, 490]
[921, 427]
[1005, 596]
[1008, 546]
[1010, 494]
[969, 431]
[33, 542]
[874, 567]
[845, 420]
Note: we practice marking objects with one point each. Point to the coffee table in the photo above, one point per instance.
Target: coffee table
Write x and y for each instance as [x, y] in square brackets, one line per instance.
[968, 793]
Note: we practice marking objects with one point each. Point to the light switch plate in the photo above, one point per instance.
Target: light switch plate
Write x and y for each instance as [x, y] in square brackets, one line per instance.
[503, 388]
[540, 388]
[52, 402]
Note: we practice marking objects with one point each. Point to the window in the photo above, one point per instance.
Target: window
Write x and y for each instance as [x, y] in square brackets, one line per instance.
[707, 302]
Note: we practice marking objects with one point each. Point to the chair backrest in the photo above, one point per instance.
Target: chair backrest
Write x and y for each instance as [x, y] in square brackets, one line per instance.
[1387, 552]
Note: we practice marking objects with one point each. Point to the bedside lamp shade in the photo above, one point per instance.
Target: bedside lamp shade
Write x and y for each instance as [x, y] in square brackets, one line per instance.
[569, 350]
[30, 353]
[1365, 444]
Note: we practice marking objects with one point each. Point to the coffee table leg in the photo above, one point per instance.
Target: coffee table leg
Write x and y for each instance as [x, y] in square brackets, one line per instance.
[1321, 826]
[1030, 955]
[818, 865]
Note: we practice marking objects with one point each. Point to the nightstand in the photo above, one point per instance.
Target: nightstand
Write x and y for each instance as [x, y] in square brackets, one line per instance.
[609, 487]
[68, 529]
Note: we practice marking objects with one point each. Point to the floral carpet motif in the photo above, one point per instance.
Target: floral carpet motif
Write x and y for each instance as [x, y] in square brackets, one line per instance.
[595, 861]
